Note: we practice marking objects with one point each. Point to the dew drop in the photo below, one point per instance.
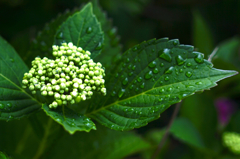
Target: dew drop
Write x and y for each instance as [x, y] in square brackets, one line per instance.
[11, 59]
[189, 64]
[166, 78]
[125, 109]
[199, 58]
[152, 64]
[142, 85]
[181, 70]
[135, 48]
[153, 50]
[129, 66]
[161, 90]
[9, 105]
[140, 113]
[136, 89]
[125, 81]
[130, 74]
[59, 35]
[162, 64]
[165, 54]
[184, 67]
[139, 79]
[148, 75]
[180, 60]
[169, 70]
[175, 42]
[1, 105]
[131, 87]
[99, 46]
[10, 117]
[127, 60]
[160, 99]
[155, 70]
[198, 83]
[136, 59]
[160, 82]
[135, 81]
[113, 93]
[58, 120]
[116, 75]
[121, 92]
[169, 89]
[89, 30]
[188, 74]
[133, 67]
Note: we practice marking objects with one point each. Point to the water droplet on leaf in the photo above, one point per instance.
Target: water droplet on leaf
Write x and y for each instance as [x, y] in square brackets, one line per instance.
[199, 58]
[165, 54]
[169, 70]
[113, 93]
[142, 85]
[9, 105]
[139, 79]
[188, 74]
[166, 78]
[59, 35]
[121, 92]
[133, 67]
[1, 105]
[180, 60]
[149, 75]
[152, 64]
[189, 64]
[125, 81]
[89, 30]
[99, 46]
[155, 70]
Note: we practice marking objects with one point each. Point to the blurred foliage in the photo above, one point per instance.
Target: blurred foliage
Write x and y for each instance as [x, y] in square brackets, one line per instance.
[203, 23]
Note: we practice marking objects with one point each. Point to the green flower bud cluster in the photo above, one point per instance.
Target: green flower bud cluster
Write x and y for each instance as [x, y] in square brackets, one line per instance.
[232, 141]
[70, 78]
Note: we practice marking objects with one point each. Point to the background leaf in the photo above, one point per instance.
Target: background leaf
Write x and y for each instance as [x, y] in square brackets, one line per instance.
[42, 45]
[185, 131]
[111, 52]
[152, 76]
[70, 120]
[83, 30]
[202, 35]
[200, 110]
[15, 102]
[102, 144]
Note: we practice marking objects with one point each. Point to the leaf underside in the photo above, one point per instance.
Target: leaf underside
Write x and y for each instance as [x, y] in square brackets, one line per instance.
[70, 120]
[152, 76]
[15, 102]
[83, 30]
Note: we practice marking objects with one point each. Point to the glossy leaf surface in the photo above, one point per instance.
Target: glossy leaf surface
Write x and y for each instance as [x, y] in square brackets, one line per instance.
[70, 120]
[152, 76]
[15, 102]
[83, 30]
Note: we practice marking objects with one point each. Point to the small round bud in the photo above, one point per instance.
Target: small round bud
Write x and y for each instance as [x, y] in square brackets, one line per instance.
[57, 95]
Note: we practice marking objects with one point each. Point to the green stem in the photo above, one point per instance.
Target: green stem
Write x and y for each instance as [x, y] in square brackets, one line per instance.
[43, 142]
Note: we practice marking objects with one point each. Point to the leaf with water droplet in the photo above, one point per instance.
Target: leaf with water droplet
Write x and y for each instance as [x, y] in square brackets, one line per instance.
[159, 90]
[70, 120]
[165, 54]
[86, 21]
[125, 81]
[148, 75]
[11, 90]
[169, 70]
[180, 60]
[152, 64]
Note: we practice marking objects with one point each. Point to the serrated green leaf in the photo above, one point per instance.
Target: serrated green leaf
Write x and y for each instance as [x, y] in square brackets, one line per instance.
[101, 144]
[202, 36]
[83, 30]
[42, 45]
[70, 120]
[111, 52]
[152, 76]
[15, 102]
[185, 131]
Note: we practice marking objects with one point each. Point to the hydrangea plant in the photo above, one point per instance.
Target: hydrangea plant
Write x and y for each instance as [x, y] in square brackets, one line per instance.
[79, 76]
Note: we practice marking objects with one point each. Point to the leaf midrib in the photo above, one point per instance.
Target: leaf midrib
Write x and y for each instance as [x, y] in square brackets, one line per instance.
[22, 90]
[140, 95]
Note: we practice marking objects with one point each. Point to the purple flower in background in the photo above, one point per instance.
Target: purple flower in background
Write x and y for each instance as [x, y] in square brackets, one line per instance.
[225, 108]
